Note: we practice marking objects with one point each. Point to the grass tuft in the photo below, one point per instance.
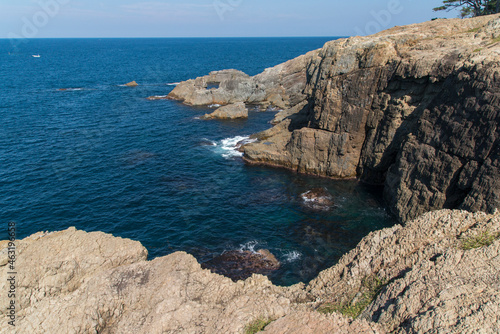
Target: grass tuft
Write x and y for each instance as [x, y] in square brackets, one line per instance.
[477, 50]
[474, 29]
[483, 239]
[257, 325]
[372, 284]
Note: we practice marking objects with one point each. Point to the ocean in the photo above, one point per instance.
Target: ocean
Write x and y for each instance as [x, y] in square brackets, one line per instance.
[78, 148]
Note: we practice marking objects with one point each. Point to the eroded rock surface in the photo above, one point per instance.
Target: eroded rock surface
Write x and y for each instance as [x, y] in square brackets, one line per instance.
[412, 108]
[77, 282]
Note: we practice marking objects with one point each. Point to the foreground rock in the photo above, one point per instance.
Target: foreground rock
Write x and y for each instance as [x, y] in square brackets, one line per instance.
[412, 108]
[77, 282]
[232, 111]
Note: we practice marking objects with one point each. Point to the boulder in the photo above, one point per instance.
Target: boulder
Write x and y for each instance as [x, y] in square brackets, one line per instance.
[232, 111]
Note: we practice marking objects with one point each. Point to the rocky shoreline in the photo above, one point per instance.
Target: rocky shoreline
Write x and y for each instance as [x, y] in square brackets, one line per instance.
[438, 273]
[412, 108]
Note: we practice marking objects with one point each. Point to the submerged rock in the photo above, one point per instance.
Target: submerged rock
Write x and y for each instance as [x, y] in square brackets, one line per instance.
[318, 199]
[232, 111]
[238, 265]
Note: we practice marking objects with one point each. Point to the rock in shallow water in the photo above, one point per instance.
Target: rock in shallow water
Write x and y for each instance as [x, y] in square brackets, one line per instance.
[238, 265]
[318, 199]
[232, 111]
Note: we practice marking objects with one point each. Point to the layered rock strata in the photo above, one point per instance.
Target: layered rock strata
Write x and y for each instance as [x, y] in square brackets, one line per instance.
[77, 282]
[413, 108]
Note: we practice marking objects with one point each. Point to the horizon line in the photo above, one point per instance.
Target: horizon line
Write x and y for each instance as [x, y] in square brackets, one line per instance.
[33, 38]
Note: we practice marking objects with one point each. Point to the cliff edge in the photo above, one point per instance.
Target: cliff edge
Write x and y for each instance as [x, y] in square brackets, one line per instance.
[413, 108]
[439, 273]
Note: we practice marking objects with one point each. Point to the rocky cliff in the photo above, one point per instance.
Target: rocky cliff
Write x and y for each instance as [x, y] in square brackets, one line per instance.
[438, 274]
[414, 108]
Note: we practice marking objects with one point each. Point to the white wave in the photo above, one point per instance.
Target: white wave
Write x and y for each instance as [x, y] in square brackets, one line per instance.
[70, 89]
[173, 84]
[292, 256]
[230, 146]
[216, 105]
[249, 246]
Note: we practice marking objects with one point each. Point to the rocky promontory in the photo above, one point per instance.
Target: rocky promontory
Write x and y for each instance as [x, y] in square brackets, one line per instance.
[413, 108]
[438, 274]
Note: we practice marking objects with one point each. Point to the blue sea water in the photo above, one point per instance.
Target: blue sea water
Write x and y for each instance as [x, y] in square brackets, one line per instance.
[101, 157]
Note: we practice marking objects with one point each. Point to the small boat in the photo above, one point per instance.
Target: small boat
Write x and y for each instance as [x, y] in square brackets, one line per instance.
[35, 56]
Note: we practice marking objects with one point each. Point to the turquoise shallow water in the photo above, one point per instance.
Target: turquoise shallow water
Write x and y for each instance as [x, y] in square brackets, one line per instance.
[99, 156]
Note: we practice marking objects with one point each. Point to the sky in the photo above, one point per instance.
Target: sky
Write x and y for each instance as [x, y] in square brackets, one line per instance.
[208, 18]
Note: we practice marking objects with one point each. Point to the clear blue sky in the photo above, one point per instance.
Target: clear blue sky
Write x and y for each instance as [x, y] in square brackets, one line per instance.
[208, 18]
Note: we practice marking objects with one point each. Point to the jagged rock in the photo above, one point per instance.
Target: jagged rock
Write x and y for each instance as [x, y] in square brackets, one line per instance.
[280, 86]
[239, 265]
[132, 84]
[77, 282]
[433, 285]
[232, 111]
[413, 108]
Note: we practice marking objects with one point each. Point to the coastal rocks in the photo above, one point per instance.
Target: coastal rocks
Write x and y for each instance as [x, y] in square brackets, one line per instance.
[77, 282]
[232, 111]
[439, 273]
[429, 281]
[413, 108]
[280, 86]
[239, 265]
[318, 199]
[132, 84]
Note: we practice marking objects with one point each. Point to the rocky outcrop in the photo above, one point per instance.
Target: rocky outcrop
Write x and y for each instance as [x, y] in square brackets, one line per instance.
[413, 108]
[281, 86]
[232, 111]
[432, 284]
[77, 282]
[132, 84]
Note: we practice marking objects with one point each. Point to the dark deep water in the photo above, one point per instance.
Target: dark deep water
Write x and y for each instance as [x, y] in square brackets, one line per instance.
[99, 156]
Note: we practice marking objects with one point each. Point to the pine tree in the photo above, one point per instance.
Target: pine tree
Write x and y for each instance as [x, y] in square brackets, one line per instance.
[471, 8]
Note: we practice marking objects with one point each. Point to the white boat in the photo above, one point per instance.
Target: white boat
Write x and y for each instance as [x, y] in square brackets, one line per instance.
[35, 56]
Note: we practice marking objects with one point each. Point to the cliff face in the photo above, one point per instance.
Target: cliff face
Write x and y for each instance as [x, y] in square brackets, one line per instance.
[413, 108]
[76, 282]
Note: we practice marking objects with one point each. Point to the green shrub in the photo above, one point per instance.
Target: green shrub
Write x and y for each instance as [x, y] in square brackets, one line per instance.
[257, 325]
[483, 239]
[372, 284]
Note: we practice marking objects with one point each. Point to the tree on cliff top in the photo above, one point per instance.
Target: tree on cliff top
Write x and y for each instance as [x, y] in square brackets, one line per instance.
[471, 8]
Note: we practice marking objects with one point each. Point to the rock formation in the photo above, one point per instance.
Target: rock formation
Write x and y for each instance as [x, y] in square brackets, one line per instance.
[232, 111]
[77, 282]
[413, 108]
[132, 84]
[239, 265]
